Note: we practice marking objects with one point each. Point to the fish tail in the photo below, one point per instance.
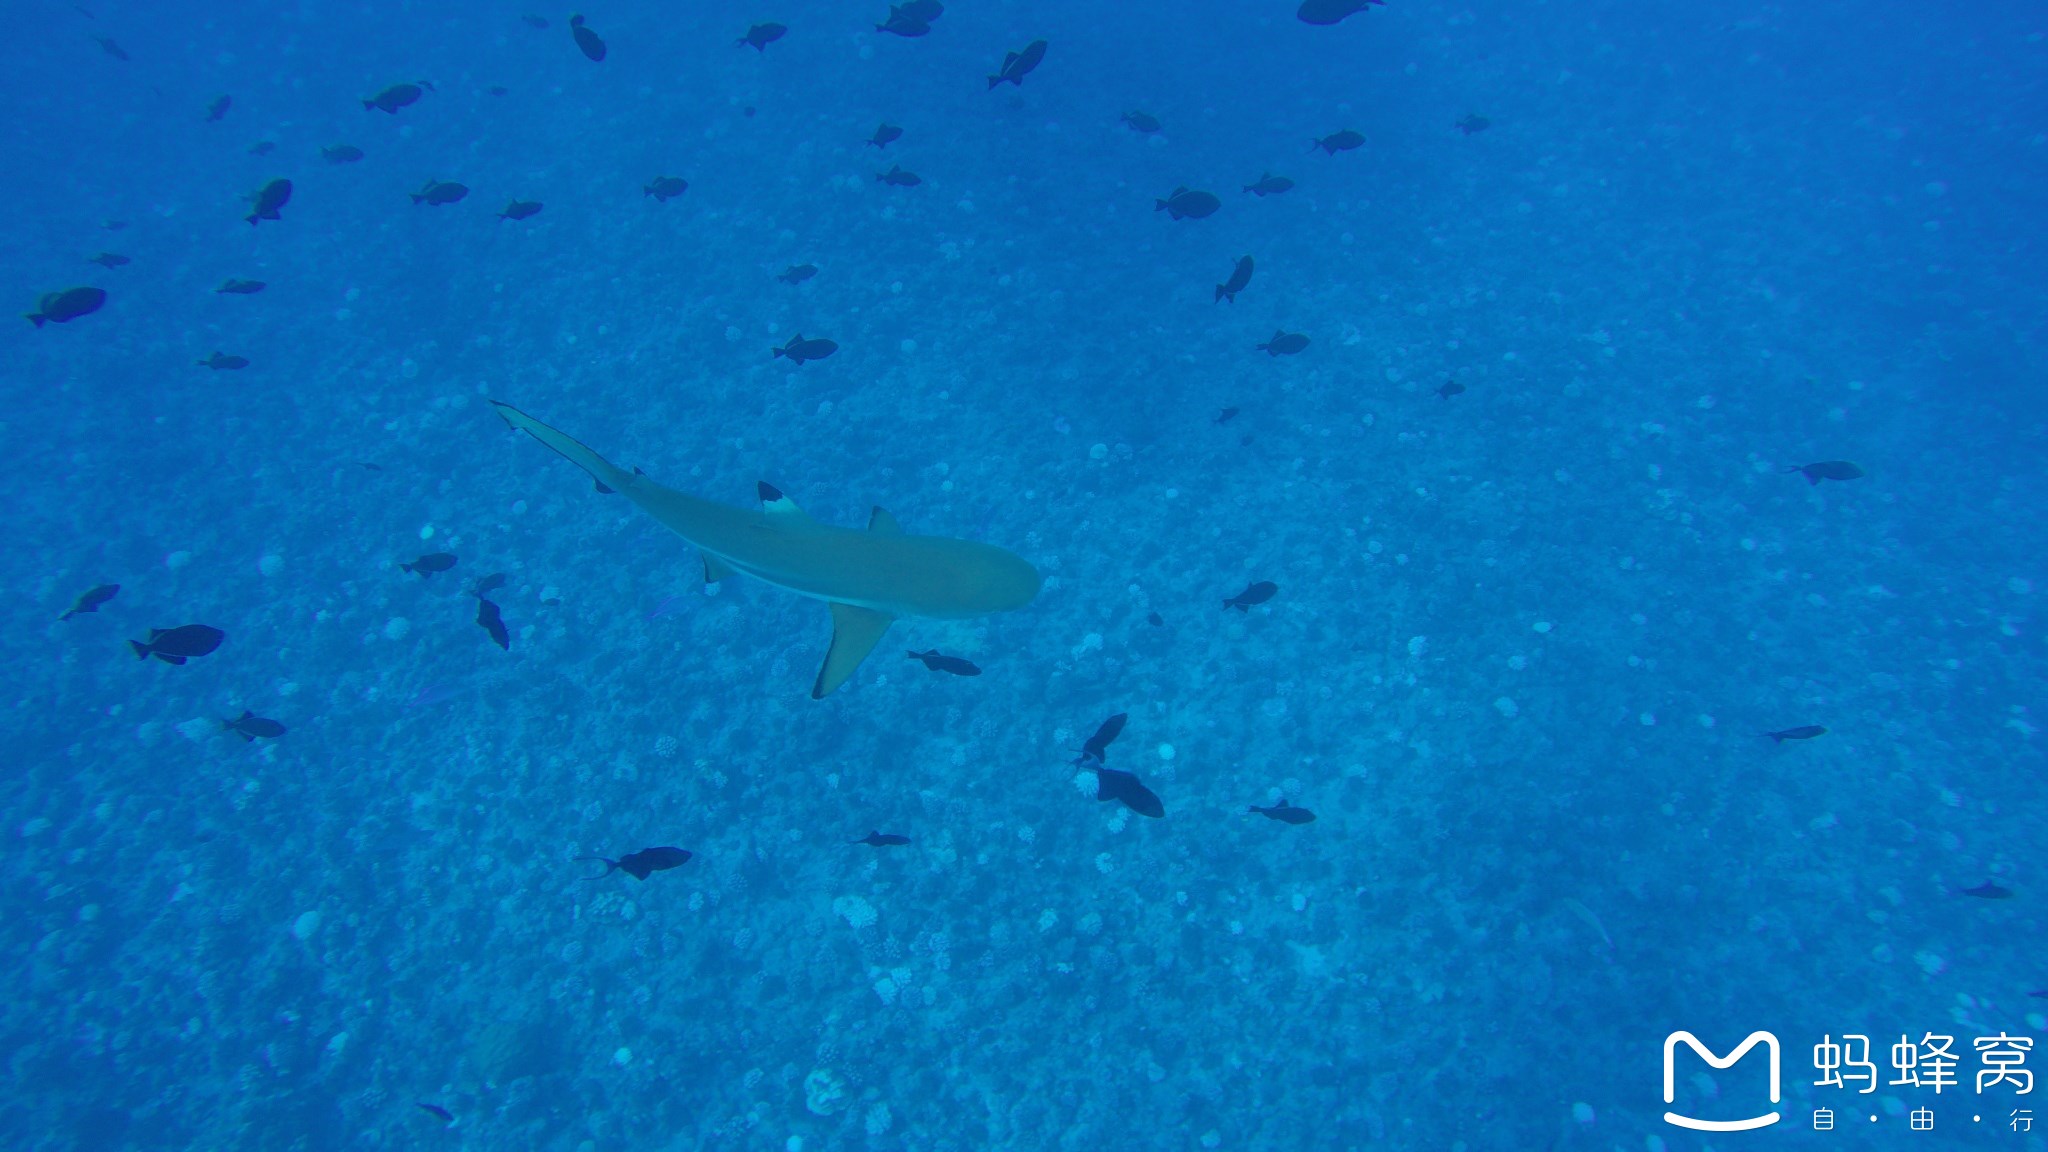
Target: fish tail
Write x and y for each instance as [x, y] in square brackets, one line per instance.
[141, 649]
[600, 469]
[35, 318]
[406, 568]
[610, 866]
[416, 197]
[368, 104]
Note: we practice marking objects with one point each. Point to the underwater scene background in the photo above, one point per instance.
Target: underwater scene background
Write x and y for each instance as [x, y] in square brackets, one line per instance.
[1526, 640]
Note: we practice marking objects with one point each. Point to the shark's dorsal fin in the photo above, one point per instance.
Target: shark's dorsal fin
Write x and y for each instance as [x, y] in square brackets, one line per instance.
[880, 521]
[855, 632]
[715, 569]
[778, 507]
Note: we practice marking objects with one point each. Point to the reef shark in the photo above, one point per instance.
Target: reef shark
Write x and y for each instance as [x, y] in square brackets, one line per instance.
[868, 578]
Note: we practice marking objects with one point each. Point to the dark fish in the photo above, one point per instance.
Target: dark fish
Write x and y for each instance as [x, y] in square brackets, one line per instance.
[642, 864]
[1330, 11]
[1803, 732]
[1451, 388]
[937, 663]
[1269, 185]
[341, 153]
[249, 726]
[1828, 470]
[240, 287]
[799, 349]
[798, 273]
[498, 90]
[431, 563]
[1473, 122]
[520, 210]
[901, 23]
[1098, 744]
[91, 599]
[1337, 142]
[438, 192]
[177, 645]
[397, 96]
[1283, 344]
[760, 36]
[1155, 619]
[1239, 277]
[491, 583]
[1017, 65]
[113, 225]
[218, 109]
[107, 45]
[1285, 813]
[665, 188]
[267, 200]
[1257, 592]
[1116, 784]
[1185, 204]
[1226, 416]
[492, 622]
[109, 260]
[896, 177]
[1989, 891]
[222, 362]
[1143, 122]
[883, 840]
[435, 1110]
[588, 41]
[263, 148]
[66, 306]
[369, 466]
[884, 135]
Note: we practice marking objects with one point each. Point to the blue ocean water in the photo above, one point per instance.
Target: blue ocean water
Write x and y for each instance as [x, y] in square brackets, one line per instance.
[1525, 640]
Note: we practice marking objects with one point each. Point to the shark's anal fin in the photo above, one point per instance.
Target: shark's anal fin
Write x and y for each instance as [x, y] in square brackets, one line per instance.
[715, 569]
[880, 521]
[778, 507]
[855, 632]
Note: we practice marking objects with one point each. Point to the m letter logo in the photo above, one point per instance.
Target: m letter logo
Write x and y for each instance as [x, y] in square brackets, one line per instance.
[1671, 1043]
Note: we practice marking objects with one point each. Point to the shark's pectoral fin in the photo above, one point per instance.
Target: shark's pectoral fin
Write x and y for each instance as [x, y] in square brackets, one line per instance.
[880, 521]
[715, 569]
[855, 632]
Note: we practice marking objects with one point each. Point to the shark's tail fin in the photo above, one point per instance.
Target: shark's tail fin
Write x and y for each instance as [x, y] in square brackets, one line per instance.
[601, 470]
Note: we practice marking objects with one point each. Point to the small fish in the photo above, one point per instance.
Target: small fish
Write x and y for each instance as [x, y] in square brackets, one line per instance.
[760, 36]
[1017, 65]
[240, 287]
[1803, 732]
[91, 599]
[492, 622]
[1473, 122]
[800, 350]
[1269, 185]
[435, 1110]
[1155, 619]
[896, 177]
[113, 225]
[642, 864]
[263, 148]
[250, 726]
[905, 24]
[1116, 784]
[937, 663]
[1226, 416]
[588, 41]
[1336, 142]
[1451, 388]
[1257, 592]
[520, 210]
[1141, 122]
[497, 90]
[341, 153]
[883, 840]
[885, 135]
[488, 584]
[1828, 470]
[1989, 891]
[369, 467]
[798, 273]
[218, 110]
[431, 563]
[397, 96]
[2042, 994]
[1239, 277]
[108, 46]
[435, 193]
[665, 188]
[1093, 751]
[533, 21]
[222, 362]
[1330, 11]
[1285, 813]
[266, 201]
[68, 305]
[109, 260]
[177, 645]
[1186, 204]
[1283, 344]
